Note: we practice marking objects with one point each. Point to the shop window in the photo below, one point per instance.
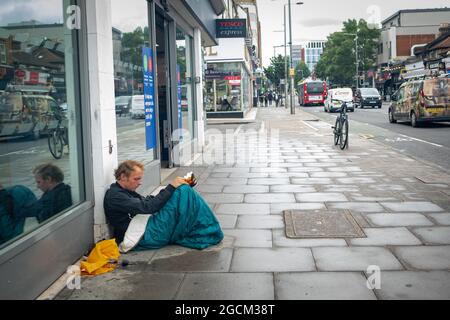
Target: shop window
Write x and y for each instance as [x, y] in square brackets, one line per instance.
[41, 173]
[130, 34]
[224, 87]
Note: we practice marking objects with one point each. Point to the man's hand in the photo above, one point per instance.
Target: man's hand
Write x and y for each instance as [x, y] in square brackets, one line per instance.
[178, 181]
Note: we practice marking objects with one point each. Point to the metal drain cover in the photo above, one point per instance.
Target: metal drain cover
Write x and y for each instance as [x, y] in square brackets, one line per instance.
[321, 224]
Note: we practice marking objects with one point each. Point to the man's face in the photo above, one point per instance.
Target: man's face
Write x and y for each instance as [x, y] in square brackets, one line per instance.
[134, 181]
[43, 184]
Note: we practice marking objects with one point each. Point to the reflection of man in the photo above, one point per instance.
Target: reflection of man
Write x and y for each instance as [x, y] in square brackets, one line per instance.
[57, 195]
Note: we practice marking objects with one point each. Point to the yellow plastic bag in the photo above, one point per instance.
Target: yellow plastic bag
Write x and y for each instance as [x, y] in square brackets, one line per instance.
[103, 258]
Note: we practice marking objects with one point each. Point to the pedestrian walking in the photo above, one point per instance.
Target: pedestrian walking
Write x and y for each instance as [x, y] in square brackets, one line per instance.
[270, 98]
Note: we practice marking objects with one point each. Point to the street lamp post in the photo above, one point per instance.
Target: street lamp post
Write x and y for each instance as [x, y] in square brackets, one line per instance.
[290, 58]
[356, 54]
[285, 60]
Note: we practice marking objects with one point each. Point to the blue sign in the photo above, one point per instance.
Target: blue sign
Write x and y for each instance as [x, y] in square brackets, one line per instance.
[180, 115]
[149, 98]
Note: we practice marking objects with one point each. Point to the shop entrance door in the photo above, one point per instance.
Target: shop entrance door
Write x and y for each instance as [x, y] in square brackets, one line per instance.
[164, 90]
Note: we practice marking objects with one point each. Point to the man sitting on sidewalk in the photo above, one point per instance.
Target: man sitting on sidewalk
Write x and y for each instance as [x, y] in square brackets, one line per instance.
[177, 215]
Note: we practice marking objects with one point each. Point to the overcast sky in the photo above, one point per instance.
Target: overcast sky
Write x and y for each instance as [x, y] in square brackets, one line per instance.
[316, 19]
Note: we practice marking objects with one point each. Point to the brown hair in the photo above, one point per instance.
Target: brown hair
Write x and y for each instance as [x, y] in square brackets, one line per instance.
[49, 171]
[127, 167]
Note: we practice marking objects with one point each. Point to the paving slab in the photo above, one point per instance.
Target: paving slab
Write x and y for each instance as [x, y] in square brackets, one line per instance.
[269, 198]
[289, 188]
[249, 175]
[311, 181]
[414, 285]
[246, 189]
[126, 285]
[220, 175]
[398, 219]
[209, 188]
[355, 180]
[354, 259]
[441, 218]
[268, 170]
[357, 206]
[433, 235]
[386, 237]
[344, 169]
[328, 174]
[268, 181]
[425, 257]
[280, 240]
[223, 198]
[322, 164]
[243, 208]
[322, 286]
[272, 260]
[412, 206]
[320, 197]
[225, 181]
[193, 261]
[341, 188]
[232, 170]
[250, 238]
[227, 286]
[305, 170]
[260, 222]
[227, 221]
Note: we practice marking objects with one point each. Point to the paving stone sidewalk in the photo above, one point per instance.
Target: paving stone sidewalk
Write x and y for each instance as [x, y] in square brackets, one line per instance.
[403, 206]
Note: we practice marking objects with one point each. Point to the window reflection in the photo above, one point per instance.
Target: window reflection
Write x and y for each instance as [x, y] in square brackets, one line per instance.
[40, 176]
[130, 34]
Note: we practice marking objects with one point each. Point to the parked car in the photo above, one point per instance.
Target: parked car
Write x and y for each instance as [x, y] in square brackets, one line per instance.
[420, 101]
[334, 98]
[137, 107]
[123, 105]
[367, 97]
[27, 115]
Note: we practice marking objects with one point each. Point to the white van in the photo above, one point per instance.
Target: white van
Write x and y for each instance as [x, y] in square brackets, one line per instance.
[334, 98]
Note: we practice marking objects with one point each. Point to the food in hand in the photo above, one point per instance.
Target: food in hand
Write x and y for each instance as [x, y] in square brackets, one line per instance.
[190, 178]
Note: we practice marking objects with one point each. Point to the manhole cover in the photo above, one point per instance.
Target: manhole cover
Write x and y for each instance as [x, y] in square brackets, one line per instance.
[321, 224]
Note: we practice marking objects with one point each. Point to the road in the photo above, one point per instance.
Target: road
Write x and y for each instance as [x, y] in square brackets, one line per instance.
[430, 142]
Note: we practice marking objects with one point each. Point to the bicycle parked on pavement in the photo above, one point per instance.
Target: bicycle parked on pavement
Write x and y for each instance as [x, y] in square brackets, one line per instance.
[340, 129]
[58, 138]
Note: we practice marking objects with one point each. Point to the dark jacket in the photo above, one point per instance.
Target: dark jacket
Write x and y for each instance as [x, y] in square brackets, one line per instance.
[51, 203]
[122, 205]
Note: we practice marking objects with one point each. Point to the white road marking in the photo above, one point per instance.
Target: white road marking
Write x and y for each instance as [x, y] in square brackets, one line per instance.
[314, 128]
[433, 144]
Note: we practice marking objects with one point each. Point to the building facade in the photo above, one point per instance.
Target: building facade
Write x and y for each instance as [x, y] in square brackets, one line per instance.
[231, 87]
[313, 51]
[74, 70]
[401, 34]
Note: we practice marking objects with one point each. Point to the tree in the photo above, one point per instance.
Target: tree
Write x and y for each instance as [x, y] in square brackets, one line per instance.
[276, 71]
[338, 61]
[305, 73]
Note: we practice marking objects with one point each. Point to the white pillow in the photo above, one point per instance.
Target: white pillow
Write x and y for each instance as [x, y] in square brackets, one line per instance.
[134, 233]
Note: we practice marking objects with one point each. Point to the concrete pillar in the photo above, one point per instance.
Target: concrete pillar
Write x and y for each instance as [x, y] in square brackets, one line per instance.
[102, 106]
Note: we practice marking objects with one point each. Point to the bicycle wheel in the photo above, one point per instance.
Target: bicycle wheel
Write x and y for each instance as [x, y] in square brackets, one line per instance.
[55, 144]
[337, 131]
[344, 135]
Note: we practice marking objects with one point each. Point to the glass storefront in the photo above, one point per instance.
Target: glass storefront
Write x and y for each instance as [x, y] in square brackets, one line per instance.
[41, 169]
[185, 68]
[227, 87]
[130, 34]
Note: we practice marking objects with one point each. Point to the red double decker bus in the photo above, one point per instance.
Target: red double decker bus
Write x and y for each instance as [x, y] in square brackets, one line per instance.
[312, 92]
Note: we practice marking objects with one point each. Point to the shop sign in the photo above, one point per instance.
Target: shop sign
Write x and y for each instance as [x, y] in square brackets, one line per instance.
[232, 78]
[231, 28]
[434, 65]
[211, 74]
[149, 98]
[20, 73]
[234, 82]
